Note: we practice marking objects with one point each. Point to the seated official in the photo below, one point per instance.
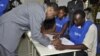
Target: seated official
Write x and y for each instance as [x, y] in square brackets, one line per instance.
[83, 33]
[62, 21]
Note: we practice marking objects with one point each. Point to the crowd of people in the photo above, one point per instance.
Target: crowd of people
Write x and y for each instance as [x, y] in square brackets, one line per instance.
[75, 23]
[71, 22]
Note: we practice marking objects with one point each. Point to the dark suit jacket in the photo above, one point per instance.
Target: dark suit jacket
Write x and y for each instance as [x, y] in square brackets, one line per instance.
[72, 7]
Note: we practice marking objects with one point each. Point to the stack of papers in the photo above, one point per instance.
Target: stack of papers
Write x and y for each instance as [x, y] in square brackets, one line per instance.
[66, 41]
[63, 40]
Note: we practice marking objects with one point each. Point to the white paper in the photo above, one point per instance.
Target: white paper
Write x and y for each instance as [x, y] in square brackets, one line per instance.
[50, 36]
[66, 41]
[63, 40]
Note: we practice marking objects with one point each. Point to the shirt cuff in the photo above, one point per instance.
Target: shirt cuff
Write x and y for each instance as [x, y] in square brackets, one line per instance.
[50, 46]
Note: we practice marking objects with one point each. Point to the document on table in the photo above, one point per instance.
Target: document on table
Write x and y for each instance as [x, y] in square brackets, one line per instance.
[63, 40]
[45, 51]
[66, 41]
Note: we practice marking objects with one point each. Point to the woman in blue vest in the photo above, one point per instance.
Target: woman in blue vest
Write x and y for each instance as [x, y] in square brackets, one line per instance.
[62, 21]
[79, 34]
[3, 6]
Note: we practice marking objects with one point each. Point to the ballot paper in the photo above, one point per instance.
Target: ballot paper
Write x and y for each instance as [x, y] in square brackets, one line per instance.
[66, 41]
[63, 40]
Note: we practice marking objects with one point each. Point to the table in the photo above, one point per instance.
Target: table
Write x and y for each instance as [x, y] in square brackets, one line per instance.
[44, 51]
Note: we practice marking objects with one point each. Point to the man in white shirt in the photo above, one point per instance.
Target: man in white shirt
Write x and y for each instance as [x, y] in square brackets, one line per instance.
[83, 33]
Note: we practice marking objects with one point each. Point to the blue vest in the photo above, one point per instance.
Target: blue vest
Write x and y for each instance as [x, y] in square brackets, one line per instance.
[77, 35]
[3, 6]
[61, 23]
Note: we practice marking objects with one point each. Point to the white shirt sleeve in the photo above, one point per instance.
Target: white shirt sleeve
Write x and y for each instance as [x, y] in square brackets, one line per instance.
[91, 37]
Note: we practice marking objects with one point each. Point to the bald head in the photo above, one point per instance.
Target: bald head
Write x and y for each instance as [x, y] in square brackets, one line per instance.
[79, 17]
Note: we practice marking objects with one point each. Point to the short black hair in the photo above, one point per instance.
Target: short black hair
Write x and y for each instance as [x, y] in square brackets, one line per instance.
[84, 1]
[48, 24]
[64, 8]
[53, 4]
[80, 12]
[46, 1]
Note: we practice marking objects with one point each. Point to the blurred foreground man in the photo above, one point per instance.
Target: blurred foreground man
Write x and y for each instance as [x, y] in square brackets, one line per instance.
[21, 19]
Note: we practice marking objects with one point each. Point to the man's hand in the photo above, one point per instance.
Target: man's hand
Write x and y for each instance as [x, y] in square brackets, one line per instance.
[56, 37]
[60, 47]
[57, 43]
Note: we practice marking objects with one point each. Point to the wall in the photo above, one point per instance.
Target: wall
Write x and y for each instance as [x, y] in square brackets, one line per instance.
[62, 2]
[25, 1]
